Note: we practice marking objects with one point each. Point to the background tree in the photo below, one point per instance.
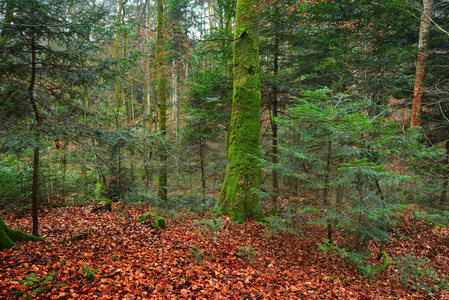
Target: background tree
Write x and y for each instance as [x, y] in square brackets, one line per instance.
[423, 47]
[46, 49]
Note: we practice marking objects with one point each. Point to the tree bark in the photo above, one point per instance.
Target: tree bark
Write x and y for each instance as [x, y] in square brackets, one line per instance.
[326, 201]
[423, 49]
[39, 123]
[162, 101]
[203, 166]
[117, 87]
[242, 172]
[274, 126]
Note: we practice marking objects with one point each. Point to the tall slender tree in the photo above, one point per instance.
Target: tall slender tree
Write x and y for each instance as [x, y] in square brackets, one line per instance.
[237, 198]
[161, 100]
[423, 47]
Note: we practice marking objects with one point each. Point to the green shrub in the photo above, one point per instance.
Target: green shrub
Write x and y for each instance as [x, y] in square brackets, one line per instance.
[248, 252]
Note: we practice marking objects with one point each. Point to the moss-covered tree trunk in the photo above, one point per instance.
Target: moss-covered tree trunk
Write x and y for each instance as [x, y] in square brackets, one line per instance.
[9, 236]
[242, 172]
[161, 101]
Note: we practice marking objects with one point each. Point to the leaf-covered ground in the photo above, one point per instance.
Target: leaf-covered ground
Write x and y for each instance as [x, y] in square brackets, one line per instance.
[119, 258]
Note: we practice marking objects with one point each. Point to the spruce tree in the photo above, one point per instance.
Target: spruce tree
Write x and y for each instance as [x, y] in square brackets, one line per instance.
[46, 50]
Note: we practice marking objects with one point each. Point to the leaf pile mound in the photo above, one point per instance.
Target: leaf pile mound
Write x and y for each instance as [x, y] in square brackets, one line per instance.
[116, 257]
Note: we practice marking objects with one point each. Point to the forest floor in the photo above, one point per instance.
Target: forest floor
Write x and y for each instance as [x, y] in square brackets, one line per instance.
[119, 258]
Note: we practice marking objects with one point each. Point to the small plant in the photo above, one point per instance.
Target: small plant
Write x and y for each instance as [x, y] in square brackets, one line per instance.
[88, 274]
[415, 273]
[115, 257]
[248, 252]
[355, 258]
[32, 280]
[210, 226]
[199, 255]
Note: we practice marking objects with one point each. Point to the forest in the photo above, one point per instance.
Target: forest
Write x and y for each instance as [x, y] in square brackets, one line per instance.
[224, 149]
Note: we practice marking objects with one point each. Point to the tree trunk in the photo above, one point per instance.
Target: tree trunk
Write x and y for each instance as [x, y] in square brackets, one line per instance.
[9, 236]
[423, 47]
[274, 126]
[162, 101]
[117, 87]
[39, 123]
[242, 172]
[326, 201]
[203, 166]
[445, 176]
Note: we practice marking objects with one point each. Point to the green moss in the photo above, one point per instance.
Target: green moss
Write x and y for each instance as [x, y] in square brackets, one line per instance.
[434, 224]
[385, 264]
[158, 223]
[107, 204]
[141, 219]
[9, 237]
[242, 172]
[76, 237]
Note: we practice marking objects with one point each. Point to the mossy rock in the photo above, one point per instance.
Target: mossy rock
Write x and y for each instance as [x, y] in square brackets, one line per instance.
[156, 221]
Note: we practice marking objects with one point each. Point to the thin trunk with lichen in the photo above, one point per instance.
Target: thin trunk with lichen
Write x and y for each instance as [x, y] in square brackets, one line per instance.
[9, 237]
[423, 49]
[237, 198]
[39, 124]
[161, 101]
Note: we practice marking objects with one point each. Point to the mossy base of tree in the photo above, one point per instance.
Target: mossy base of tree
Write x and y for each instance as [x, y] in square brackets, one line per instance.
[156, 221]
[9, 237]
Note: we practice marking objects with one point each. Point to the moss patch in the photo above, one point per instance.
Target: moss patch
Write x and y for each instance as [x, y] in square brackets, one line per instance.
[385, 264]
[434, 224]
[154, 220]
